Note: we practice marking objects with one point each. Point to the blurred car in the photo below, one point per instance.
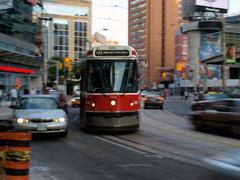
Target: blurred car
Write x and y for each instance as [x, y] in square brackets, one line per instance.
[152, 99]
[61, 99]
[76, 92]
[222, 114]
[235, 93]
[40, 114]
[206, 100]
[75, 101]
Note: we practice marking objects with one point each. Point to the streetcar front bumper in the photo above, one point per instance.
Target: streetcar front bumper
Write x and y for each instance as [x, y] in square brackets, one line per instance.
[122, 121]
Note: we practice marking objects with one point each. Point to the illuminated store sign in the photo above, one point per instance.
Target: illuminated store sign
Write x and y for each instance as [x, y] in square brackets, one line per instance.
[17, 70]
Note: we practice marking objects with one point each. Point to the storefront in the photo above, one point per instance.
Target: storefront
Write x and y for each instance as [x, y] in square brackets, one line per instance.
[24, 78]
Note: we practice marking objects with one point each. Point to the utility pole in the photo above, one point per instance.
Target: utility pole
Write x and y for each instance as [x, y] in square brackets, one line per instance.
[49, 49]
[223, 68]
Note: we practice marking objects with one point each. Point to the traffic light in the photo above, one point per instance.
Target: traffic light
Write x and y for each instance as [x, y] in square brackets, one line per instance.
[67, 63]
[164, 75]
[179, 67]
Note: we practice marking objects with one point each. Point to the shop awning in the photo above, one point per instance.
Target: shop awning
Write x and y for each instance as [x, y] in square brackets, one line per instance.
[20, 58]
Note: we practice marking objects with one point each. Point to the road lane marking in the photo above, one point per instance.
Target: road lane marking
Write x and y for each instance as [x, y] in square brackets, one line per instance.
[156, 156]
[120, 145]
[136, 165]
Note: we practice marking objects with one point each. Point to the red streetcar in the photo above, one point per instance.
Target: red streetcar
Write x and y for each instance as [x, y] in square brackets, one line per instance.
[109, 89]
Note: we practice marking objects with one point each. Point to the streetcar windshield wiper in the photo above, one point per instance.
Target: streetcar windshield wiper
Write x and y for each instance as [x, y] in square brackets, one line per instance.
[103, 82]
[126, 77]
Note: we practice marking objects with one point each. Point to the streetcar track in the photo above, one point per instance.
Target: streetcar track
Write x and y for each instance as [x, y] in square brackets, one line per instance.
[156, 119]
[159, 152]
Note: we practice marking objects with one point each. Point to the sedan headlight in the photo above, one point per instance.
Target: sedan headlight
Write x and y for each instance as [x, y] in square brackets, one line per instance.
[22, 120]
[73, 100]
[59, 119]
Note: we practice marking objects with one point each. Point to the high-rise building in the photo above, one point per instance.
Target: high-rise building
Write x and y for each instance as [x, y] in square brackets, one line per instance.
[152, 26]
[20, 36]
[70, 30]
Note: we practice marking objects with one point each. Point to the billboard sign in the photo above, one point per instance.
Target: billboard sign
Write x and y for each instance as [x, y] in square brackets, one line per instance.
[213, 5]
[6, 4]
[210, 45]
[231, 54]
[214, 71]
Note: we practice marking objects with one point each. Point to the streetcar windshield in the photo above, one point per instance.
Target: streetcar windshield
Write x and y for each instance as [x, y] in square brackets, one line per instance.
[112, 76]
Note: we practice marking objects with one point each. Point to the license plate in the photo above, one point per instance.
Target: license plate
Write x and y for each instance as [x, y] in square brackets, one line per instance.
[41, 127]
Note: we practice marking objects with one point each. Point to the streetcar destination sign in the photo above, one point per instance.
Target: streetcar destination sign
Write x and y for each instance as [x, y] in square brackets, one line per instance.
[112, 53]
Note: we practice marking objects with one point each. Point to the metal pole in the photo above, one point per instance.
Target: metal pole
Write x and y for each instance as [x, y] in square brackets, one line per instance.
[224, 55]
[57, 75]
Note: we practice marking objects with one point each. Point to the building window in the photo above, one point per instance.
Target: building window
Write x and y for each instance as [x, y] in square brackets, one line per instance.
[80, 40]
[61, 38]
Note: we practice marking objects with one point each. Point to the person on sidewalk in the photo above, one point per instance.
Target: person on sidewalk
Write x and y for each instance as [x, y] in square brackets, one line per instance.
[182, 95]
[14, 96]
[186, 95]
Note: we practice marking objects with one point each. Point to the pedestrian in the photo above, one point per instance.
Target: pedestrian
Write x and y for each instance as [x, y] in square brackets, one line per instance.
[186, 95]
[32, 91]
[196, 96]
[182, 95]
[38, 91]
[165, 92]
[1, 96]
[14, 96]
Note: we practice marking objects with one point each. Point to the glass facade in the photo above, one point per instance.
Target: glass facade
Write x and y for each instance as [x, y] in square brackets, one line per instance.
[80, 38]
[16, 20]
[18, 34]
[61, 38]
[66, 10]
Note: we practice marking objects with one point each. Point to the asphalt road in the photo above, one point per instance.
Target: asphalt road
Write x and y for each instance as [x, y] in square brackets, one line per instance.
[165, 147]
[178, 106]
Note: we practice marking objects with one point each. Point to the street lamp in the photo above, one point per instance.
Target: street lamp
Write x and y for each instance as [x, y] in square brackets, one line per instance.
[49, 48]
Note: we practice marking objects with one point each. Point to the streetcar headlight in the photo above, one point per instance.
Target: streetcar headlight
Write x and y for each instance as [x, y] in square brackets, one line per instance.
[93, 104]
[131, 104]
[113, 102]
[22, 120]
[59, 119]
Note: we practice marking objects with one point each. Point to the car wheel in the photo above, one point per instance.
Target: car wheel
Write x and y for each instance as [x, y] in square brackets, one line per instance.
[161, 107]
[145, 106]
[64, 134]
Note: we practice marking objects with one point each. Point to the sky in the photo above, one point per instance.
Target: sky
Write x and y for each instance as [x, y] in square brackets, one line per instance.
[110, 18]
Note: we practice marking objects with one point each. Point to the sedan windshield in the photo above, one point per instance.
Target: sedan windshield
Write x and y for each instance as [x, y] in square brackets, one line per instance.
[112, 76]
[38, 103]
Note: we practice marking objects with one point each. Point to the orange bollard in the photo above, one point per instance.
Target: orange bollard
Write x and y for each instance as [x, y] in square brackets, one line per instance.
[3, 148]
[18, 152]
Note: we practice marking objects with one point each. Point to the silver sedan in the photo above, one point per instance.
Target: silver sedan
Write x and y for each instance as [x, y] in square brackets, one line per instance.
[40, 114]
